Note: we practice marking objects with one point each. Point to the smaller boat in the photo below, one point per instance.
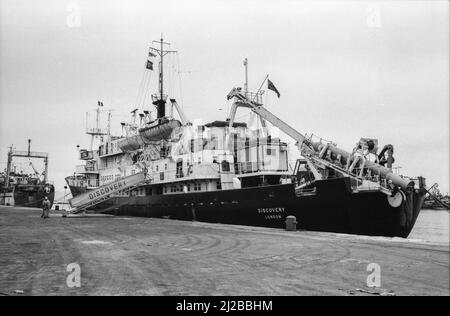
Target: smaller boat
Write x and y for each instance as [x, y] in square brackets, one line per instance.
[25, 189]
[435, 200]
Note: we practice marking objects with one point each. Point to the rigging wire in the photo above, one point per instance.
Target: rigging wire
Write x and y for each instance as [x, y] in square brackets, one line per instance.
[146, 89]
[179, 79]
[140, 88]
[242, 116]
[174, 78]
[169, 79]
[172, 75]
[141, 92]
[208, 70]
[147, 93]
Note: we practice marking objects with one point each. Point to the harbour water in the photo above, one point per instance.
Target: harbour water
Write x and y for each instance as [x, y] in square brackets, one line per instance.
[432, 226]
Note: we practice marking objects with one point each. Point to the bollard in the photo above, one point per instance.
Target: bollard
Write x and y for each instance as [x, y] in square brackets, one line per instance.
[291, 223]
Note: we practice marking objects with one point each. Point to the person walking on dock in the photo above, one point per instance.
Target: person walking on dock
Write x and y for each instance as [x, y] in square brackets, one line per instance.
[45, 207]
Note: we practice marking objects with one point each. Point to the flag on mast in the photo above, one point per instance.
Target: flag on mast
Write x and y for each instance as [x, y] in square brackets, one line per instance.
[272, 87]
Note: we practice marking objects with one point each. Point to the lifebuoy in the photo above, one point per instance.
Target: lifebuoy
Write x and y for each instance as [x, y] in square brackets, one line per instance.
[397, 199]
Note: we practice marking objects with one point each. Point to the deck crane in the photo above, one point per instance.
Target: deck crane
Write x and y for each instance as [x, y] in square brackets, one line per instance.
[34, 169]
[323, 155]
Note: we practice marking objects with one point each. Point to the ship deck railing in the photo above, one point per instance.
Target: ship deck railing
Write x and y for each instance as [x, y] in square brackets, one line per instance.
[254, 167]
[209, 171]
[30, 154]
[366, 175]
[85, 169]
[255, 97]
[194, 172]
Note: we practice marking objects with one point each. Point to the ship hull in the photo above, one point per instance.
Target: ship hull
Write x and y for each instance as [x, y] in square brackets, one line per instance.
[75, 187]
[27, 195]
[334, 208]
[76, 190]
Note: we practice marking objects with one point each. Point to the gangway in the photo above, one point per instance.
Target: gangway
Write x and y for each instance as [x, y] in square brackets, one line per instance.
[80, 202]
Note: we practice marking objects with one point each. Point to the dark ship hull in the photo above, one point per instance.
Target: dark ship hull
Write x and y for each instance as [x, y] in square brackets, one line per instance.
[333, 208]
[74, 190]
[27, 195]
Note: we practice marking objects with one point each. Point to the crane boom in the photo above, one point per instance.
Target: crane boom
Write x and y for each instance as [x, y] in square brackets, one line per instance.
[34, 169]
[275, 121]
[309, 148]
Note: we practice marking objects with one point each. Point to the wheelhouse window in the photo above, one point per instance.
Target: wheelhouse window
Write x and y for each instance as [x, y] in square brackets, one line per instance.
[225, 166]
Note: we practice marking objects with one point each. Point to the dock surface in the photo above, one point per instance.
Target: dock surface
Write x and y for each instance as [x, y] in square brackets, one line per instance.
[146, 256]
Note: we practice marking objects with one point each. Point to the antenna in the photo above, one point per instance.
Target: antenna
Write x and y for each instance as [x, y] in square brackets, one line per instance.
[246, 76]
[109, 122]
[160, 100]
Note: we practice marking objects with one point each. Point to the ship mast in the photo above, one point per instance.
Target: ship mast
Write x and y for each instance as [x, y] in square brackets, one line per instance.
[96, 131]
[8, 166]
[246, 76]
[254, 96]
[160, 100]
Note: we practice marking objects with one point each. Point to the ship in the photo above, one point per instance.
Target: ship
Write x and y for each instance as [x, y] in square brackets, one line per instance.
[228, 172]
[435, 200]
[25, 189]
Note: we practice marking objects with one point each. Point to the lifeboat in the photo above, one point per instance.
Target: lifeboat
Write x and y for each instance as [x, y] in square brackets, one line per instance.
[130, 144]
[161, 131]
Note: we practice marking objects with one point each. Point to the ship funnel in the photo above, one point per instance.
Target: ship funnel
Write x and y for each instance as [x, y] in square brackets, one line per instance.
[160, 107]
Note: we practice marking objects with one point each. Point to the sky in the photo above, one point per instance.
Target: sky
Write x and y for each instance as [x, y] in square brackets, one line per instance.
[345, 70]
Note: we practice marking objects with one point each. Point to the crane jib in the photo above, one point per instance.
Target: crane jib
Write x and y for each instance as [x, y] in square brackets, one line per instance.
[306, 146]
